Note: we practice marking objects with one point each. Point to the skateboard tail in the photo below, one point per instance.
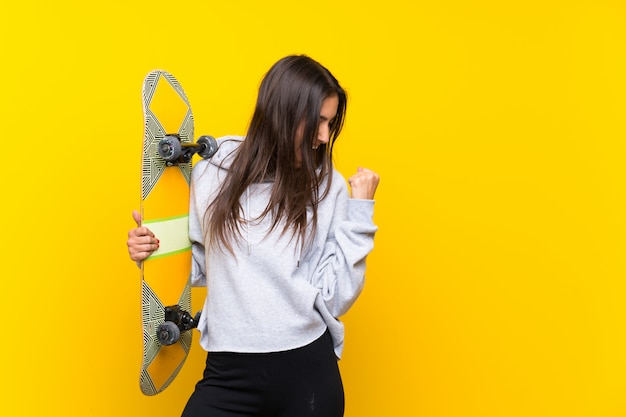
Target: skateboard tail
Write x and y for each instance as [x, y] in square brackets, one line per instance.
[161, 363]
[166, 111]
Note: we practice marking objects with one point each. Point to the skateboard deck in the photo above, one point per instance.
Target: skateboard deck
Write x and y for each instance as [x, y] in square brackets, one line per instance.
[165, 275]
[166, 161]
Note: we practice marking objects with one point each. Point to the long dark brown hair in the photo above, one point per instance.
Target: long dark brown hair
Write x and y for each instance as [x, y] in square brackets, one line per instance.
[290, 97]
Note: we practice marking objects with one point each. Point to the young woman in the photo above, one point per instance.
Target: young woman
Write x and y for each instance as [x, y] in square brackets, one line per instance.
[281, 246]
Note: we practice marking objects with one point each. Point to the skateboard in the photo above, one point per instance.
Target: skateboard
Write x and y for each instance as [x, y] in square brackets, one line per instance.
[166, 162]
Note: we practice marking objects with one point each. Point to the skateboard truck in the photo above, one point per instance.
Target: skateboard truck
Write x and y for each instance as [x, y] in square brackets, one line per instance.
[174, 151]
[176, 321]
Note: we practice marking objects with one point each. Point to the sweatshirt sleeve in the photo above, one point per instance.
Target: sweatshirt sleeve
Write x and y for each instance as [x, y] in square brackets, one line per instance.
[340, 274]
[198, 273]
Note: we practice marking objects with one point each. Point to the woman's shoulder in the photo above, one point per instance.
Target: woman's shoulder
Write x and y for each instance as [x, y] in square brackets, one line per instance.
[338, 185]
[338, 177]
[226, 147]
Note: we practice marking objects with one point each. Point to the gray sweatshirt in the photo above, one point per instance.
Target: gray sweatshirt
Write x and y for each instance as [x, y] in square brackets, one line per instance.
[273, 294]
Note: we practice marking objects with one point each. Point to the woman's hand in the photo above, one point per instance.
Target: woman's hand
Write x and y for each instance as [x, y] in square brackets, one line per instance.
[141, 241]
[364, 183]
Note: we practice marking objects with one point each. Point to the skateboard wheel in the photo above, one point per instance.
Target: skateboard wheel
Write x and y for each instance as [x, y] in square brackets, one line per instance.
[210, 146]
[168, 333]
[170, 148]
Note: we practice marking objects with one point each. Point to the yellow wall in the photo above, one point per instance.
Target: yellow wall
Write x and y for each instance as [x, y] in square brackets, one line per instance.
[497, 284]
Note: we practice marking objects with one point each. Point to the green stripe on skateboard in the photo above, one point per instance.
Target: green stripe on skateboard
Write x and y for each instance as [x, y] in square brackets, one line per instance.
[173, 234]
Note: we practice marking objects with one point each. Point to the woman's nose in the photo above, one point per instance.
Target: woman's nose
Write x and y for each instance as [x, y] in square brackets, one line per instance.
[323, 134]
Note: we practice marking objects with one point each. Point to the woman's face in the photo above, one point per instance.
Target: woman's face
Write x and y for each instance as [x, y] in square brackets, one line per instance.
[327, 114]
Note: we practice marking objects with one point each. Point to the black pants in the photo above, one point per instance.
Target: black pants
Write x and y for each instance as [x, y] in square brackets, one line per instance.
[295, 383]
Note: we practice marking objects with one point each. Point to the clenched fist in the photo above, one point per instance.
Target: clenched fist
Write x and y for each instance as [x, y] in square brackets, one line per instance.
[364, 183]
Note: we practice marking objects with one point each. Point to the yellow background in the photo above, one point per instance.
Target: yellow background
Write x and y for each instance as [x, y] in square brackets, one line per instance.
[497, 284]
